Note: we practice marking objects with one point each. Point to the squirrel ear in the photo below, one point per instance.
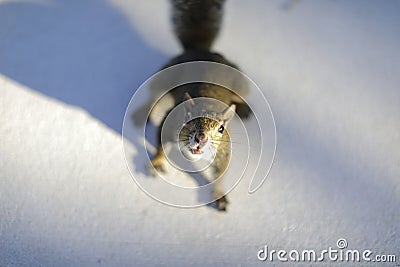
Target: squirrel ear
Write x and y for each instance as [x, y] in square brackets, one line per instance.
[188, 97]
[188, 106]
[228, 114]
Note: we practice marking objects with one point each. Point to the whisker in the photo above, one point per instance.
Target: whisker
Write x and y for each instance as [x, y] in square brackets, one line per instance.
[232, 142]
[231, 133]
[211, 151]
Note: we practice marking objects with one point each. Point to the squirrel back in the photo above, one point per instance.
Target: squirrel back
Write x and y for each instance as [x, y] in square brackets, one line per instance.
[197, 22]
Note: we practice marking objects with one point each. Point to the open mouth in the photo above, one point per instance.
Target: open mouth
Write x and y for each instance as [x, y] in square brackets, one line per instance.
[197, 151]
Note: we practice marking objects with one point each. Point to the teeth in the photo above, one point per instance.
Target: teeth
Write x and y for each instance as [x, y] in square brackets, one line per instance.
[197, 151]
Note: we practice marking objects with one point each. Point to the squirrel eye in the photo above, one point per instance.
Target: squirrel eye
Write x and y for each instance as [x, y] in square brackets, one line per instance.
[221, 129]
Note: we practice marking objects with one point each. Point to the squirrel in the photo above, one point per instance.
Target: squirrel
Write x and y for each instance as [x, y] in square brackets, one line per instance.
[196, 24]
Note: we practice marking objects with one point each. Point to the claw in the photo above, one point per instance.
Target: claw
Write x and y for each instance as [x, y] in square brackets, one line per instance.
[220, 204]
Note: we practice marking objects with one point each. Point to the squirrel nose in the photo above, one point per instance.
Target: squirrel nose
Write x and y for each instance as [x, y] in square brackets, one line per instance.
[200, 138]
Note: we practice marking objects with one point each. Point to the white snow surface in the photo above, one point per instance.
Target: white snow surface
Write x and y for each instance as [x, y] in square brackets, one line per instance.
[330, 70]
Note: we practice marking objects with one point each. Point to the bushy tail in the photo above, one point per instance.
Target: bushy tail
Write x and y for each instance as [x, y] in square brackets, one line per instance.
[197, 22]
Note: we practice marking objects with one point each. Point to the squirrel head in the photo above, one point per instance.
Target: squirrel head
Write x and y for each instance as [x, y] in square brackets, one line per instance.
[207, 133]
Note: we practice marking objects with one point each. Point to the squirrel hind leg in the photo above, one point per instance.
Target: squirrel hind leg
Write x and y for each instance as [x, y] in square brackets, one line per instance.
[221, 201]
[220, 204]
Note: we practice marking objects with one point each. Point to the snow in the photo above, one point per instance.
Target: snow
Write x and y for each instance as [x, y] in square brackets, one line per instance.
[329, 69]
